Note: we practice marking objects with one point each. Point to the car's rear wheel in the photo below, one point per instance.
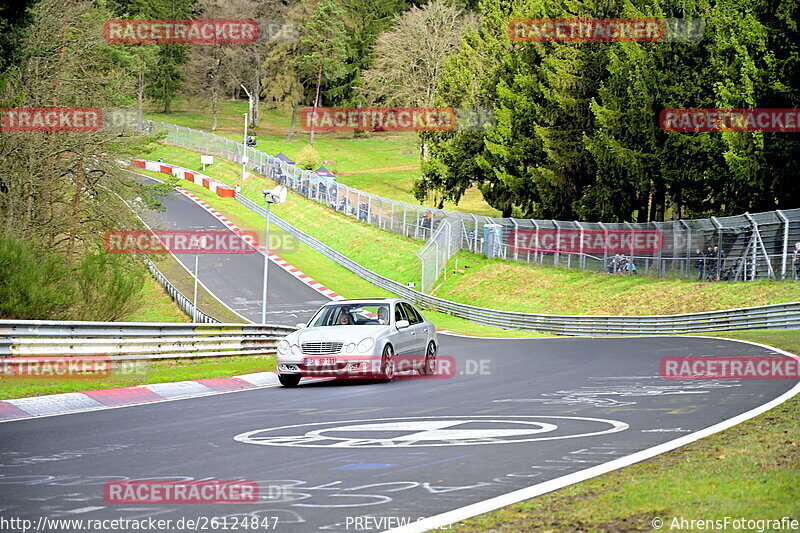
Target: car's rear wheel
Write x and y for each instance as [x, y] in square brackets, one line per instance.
[387, 363]
[429, 367]
[289, 380]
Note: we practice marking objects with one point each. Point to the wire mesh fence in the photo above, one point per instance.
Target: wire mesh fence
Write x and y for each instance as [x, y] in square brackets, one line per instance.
[736, 248]
[440, 248]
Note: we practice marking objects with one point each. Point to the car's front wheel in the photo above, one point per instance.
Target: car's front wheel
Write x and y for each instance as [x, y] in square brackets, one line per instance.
[429, 367]
[387, 363]
[289, 380]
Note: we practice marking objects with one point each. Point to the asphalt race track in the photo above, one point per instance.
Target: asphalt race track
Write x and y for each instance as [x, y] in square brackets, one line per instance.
[445, 443]
[514, 413]
[237, 278]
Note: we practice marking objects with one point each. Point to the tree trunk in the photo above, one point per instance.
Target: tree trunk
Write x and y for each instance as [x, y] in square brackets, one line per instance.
[76, 203]
[677, 208]
[657, 204]
[140, 100]
[316, 104]
[214, 106]
[293, 127]
[254, 114]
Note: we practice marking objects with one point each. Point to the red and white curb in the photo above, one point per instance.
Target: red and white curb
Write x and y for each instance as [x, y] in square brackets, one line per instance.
[285, 265]
[75, 402]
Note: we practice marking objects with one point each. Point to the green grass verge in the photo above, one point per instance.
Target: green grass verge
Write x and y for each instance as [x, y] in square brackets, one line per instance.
[380, 163]
[150, 373]
[751, 470]
[557, 290]
[156, 305]
[184, 282]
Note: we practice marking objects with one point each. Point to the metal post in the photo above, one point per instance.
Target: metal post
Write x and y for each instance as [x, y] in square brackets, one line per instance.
[757, 235]
[244, 147]
[194, 298]
[605, 245]
[581, 256]
[719, 245]
[516, 249]
[688, 247]
[558, 243]
[785, 243]
[474, 244]
[266, 271]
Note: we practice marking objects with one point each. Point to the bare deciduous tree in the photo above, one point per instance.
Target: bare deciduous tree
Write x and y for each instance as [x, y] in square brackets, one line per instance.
[409, 57]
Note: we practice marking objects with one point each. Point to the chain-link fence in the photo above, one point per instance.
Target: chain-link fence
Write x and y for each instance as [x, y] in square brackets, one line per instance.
[440, 248]
[736, 248]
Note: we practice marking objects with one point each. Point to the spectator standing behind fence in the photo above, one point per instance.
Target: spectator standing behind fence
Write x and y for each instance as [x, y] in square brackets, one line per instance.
[700, 264]
[710, 263]
[630, 267]
[796, 261]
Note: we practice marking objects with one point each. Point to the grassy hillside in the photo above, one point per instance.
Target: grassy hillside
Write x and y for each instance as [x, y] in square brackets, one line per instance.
[489, 283]
[380, 163]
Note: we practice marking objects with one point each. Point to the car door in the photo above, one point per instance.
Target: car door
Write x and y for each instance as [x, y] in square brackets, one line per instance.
[420, 329]
[404, 340]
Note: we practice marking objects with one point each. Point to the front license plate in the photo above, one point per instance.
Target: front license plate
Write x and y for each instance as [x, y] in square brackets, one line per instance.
[321, 362]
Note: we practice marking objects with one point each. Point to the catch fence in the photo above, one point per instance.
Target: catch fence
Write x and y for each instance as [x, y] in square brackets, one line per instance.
[735, 248]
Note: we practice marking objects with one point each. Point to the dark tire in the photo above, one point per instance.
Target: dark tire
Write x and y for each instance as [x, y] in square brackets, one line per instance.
[387, 363]
[429, 366]
[289, 380]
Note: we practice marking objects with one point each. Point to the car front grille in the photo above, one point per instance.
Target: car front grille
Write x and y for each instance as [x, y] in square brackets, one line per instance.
[321, 348]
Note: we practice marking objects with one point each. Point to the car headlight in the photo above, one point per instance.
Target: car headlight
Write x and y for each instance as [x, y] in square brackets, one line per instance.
[295, 349]
[366, 344]
[283, 347]
[351, 347]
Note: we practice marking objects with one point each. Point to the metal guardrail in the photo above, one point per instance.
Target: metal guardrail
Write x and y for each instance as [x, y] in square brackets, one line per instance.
[179, 298]
[785, 315]
[126, 341]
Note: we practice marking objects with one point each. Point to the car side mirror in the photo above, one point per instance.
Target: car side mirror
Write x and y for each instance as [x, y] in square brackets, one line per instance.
[300, 325]
[402, 324]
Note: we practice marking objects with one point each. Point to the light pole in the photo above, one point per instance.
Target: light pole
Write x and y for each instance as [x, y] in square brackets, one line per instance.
[194, 298]
[244, 147]
[275, 196]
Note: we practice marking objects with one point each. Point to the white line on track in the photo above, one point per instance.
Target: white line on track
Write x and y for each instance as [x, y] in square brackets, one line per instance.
[450, 517]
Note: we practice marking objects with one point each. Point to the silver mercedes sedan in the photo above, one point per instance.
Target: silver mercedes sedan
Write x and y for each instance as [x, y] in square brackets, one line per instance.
[372, 338]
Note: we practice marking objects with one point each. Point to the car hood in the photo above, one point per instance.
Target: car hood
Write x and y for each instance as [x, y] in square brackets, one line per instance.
[336, 333]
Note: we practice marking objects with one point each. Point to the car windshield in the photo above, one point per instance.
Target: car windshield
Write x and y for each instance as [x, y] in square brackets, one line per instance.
[351, 315]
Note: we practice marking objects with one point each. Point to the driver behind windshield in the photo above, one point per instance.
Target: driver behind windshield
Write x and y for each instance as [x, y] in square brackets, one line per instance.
[383, 315]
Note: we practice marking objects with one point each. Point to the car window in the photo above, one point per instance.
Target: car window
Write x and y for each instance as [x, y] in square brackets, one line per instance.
[348, 315]
[399, 313]
[417, 314]
[412, 314]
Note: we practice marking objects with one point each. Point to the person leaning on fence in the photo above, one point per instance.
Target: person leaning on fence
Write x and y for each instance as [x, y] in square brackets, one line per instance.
[630, 267]
[622, 265]
[796, 261]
